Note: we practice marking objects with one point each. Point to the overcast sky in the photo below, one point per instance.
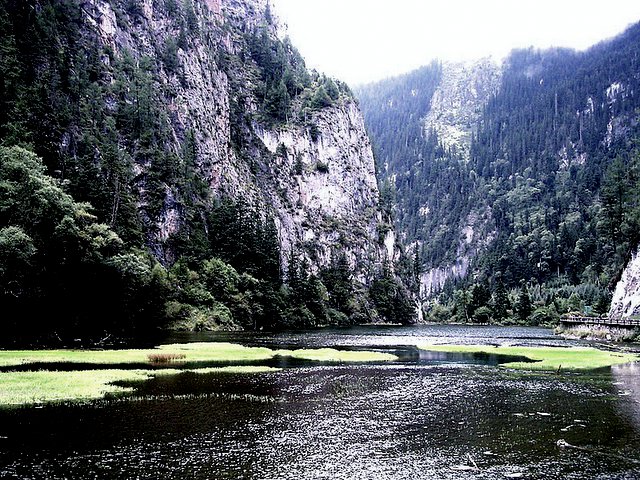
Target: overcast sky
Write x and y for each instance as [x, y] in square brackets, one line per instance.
[365, 40]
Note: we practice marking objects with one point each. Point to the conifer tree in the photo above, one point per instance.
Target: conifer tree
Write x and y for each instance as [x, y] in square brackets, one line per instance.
[523, 307]
[339, 282]
[500, 304]
[320, 99]
[331, 89]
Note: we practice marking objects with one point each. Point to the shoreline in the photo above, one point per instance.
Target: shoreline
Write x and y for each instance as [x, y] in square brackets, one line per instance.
[599, 332]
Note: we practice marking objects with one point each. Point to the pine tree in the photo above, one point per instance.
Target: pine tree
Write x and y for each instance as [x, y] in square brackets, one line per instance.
[391, 299]
[463, 299]
[331, 89]
[277, 102]
[614, 194]
[480, 297]
[500, 304]
[523, 307]
[339, 282]
[320, 99]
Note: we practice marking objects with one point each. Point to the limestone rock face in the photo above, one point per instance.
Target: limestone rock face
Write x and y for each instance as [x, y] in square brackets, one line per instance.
[326, 191]
[475, 234]
[314, 175]
[454, 114]
[457, 103]
[626, 298]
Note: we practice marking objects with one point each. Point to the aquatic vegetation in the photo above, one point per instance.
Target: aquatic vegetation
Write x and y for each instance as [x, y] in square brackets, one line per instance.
[187, 353]
[32, 387]
[164, 358]
[25, 388]
[29, 388]
[193, 352]
[544, 358]
[598, 332]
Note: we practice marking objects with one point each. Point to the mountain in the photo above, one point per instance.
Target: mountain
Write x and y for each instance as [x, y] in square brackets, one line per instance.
[236, 188]
[626, 297]
[520, 176]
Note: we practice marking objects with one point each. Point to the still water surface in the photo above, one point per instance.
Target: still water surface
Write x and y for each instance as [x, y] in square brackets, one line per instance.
[431, 417]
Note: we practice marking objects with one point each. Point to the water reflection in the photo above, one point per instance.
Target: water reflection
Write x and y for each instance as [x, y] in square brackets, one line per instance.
[478, 358]
[626, 379]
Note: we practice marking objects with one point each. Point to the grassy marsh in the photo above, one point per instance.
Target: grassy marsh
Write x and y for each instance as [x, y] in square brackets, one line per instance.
[43, 386]
[545, 358]
[184, 353]
[191, 352]
[30, 388]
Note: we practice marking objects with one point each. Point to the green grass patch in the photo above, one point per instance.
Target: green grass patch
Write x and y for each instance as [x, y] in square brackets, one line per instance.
[184, 353]
[338, 356]
[31, 388]
[177, 353]
[545, 358]
[27, 388]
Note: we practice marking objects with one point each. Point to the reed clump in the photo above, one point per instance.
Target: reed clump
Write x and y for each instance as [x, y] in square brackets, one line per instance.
[165, 358]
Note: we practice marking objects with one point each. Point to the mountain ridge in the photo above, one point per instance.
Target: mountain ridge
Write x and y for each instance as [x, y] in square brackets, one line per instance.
[535, 180]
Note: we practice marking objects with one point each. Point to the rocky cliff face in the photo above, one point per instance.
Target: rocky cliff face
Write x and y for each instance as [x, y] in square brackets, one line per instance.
[626, 298]
[313, 172]
[456, 105]
[331, 199]
[476, 234]
[456, 109]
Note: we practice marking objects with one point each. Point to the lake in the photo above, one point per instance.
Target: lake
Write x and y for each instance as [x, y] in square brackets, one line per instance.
[437, 416]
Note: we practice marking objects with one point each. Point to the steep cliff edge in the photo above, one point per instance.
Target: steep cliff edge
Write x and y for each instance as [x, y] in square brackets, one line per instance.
[458, 102]
[329, 198]
[626, 297]
[311, 167]
[423, 124]
[454, 115]
[217, 182]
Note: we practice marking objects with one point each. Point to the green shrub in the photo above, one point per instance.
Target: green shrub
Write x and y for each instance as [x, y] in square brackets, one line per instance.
[482, 315]
[322, 167]
[337, 318]
[438, 313]
[545, 316]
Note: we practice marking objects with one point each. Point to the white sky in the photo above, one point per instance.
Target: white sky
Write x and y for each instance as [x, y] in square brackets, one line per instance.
[365, 40]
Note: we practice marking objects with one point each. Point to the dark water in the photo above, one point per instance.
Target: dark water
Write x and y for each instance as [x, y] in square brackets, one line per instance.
[422, 417]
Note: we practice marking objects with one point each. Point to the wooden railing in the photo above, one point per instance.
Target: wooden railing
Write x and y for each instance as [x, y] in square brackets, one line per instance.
[612, 322]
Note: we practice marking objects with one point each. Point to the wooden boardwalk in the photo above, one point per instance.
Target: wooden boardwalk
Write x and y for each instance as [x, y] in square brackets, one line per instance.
[609, 322]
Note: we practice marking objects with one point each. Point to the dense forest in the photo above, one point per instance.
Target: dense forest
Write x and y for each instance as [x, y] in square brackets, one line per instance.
[94, 155]
[88, 162]
[551, 188]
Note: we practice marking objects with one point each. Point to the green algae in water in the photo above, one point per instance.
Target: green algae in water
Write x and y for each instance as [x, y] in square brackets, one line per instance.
[544, 358]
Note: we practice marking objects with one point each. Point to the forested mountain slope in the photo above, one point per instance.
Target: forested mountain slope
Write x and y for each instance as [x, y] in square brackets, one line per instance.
[174, 161]
[547, 198]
